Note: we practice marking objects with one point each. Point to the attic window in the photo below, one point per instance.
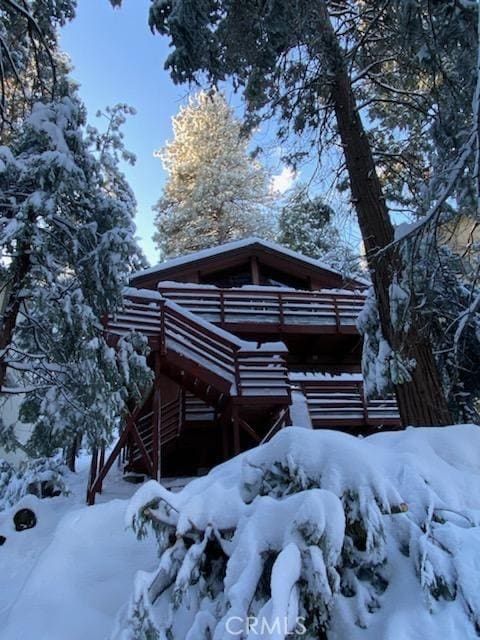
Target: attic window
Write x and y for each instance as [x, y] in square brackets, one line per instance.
[235, 277]
[273, 277]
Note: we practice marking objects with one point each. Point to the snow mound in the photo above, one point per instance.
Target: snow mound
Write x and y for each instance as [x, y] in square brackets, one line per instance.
[66, 578]
[317, 534]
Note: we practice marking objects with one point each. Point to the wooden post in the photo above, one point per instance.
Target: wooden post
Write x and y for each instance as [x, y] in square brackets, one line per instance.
[163, 345]
[254, 270]
[100, 466]
[181, 409]
[236, 431]
[225, 447]
[281, 318]
[156, 422]
[337, 315]
[238, 383]
[222, 308]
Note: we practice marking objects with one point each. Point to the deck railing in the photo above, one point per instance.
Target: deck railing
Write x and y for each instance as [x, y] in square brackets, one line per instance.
[240, 368]
[342, 403]
[335, 311]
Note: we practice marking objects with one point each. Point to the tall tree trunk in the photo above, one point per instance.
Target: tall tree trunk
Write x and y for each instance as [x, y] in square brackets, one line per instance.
[11, 309]
[71, 452]
[421, 401]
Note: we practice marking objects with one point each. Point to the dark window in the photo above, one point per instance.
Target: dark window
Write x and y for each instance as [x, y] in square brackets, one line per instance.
[272, 277]
[234, 277]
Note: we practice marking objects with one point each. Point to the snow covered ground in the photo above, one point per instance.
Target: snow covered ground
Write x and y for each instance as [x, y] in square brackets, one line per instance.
[416, 575]
[66, 578]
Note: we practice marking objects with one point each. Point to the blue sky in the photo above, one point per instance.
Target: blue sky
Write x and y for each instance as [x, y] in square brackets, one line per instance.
[117, 59]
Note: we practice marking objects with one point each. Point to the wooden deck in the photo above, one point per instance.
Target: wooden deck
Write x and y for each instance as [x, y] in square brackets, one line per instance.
[245, 370]
[270, 309]
[342, 404]
[233, 393]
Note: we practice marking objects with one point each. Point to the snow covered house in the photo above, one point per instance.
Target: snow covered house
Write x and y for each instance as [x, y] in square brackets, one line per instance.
[245, 338]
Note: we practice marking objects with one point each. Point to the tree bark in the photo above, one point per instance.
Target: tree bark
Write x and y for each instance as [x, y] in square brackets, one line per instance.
[12, 305]
[421, 401]
[71, 453]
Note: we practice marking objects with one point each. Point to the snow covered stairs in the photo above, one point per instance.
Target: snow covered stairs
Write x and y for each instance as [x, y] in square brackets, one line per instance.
[340, 403]
[210, 362]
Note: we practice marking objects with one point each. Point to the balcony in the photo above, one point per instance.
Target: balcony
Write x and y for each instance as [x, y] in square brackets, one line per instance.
[270, 309]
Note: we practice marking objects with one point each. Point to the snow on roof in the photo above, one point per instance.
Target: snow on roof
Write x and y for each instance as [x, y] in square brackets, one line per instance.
[254, 288]
[231, 246]
[300, 376]
[142, 293]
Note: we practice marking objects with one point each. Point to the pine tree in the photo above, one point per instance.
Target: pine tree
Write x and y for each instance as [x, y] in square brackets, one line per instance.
[215, 192]
[305, 224]
[67, 238]
[315, 66]
[32, 67]
[418, 97]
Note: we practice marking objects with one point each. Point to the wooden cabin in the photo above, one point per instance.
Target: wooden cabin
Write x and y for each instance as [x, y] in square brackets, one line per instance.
[246, 338]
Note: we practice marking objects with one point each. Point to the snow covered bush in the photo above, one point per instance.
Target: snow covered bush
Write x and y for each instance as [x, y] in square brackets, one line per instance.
[41, 477]
[316, 535]
[68, 247]
[382, 366]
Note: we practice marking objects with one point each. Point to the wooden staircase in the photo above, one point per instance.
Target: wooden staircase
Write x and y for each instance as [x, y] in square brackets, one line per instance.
[341, 404]
[209, 364]
[208, 361]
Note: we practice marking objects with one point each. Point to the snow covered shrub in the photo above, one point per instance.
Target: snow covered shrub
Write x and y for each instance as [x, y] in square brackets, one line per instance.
[445, 294]
[41, 477]
[316, 535]
[376, 352]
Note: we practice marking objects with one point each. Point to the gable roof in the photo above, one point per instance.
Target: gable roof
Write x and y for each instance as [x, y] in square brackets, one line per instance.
[244, 247]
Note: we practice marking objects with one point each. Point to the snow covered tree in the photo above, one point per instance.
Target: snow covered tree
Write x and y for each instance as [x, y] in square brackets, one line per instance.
[418, 83]
[316, 528]
[32, 67]
[446, 292]
[67, 239]
[315, 66]
[307, 225]
[421, 98]
[215, 192]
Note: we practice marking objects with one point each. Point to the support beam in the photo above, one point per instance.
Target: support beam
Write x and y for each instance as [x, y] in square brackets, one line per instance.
[98, 473]
[236, 430]
[248, 429]
[255, 270]
[143, 451]
[101, 473]
[101, 463]
[156, 423]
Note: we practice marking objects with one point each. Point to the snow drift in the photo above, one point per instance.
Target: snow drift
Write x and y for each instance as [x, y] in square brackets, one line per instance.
[317, 534]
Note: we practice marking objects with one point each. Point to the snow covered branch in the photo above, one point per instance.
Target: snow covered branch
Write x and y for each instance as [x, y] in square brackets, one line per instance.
[316, 529]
